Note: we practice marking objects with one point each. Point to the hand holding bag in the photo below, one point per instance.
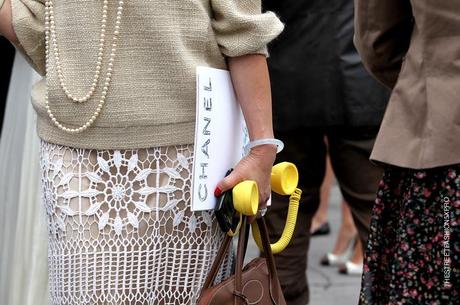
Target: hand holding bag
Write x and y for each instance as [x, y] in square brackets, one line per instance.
[255, 284]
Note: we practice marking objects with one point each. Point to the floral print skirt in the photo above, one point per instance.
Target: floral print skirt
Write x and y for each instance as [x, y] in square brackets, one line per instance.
[413, 253]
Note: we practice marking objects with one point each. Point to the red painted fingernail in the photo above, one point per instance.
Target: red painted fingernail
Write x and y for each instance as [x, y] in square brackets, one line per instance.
[217, 192]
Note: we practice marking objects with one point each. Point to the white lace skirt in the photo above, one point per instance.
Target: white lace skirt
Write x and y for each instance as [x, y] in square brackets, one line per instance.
[120, 226]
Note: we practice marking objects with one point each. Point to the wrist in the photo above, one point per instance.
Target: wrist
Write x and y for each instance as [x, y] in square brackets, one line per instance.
[260, 133]
[267, 152]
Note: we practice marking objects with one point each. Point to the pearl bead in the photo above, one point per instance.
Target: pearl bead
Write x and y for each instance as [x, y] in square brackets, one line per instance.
[51, 39]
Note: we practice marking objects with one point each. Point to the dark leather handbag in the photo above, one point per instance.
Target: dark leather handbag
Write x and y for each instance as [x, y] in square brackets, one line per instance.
[255, 284]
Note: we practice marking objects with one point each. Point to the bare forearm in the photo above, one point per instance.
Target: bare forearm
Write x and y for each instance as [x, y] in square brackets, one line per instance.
[6, 25]
[252, 87]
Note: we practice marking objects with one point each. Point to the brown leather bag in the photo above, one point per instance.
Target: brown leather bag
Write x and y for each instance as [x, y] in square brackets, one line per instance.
[255, 284]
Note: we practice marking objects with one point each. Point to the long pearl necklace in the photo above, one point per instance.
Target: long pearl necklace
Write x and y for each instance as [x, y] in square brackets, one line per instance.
[50, 38]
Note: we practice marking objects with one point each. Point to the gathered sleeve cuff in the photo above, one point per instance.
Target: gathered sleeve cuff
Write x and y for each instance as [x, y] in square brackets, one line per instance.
[241, 28]
[29, 26]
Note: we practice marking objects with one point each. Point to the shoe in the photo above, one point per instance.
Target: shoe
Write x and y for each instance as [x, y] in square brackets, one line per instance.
[323, 229]
[334, 260]
[350, 268]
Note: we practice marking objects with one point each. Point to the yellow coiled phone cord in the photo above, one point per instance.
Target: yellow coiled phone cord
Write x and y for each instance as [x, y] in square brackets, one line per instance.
[289, 228]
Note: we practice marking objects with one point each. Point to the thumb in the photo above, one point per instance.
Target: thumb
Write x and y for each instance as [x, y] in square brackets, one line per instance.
[228, 183]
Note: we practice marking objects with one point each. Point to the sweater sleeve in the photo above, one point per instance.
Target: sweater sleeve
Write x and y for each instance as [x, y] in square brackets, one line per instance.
[241, 28]
[29, 26]
[382, 36]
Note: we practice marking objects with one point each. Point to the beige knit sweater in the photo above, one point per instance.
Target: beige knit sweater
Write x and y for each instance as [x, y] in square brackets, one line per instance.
[151, 101]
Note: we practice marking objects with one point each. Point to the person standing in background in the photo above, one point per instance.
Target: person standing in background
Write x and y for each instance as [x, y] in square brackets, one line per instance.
[319, 88]
[413, 254]
[23, 235]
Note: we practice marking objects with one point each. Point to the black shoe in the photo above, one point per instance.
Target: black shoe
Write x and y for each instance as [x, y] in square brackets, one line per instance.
[323, 229]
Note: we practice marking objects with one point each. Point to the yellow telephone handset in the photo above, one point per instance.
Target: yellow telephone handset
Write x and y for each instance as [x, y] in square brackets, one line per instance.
[284, 180]
[246, 197]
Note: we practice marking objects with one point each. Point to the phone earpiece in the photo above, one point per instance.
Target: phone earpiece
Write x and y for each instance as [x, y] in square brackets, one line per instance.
[246, 197]
[284, 178]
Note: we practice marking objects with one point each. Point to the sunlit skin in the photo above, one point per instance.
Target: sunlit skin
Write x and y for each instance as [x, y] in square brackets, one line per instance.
[252, 87]
[6, 27]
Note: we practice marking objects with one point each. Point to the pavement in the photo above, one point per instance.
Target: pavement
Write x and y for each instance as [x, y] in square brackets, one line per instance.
[327, 286]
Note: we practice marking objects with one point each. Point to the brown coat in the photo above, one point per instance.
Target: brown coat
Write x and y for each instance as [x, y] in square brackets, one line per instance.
[414, 47]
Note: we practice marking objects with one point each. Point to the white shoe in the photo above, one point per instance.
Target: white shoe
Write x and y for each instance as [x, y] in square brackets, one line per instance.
[334, 260]
[350, 268]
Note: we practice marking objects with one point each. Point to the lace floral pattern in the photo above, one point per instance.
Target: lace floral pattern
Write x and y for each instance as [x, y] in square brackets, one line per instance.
[120, 227]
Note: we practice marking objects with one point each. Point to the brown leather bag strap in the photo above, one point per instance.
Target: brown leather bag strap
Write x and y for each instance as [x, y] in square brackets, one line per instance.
[223, 250]
[240, 253]
[270, 260]
[239, 298]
